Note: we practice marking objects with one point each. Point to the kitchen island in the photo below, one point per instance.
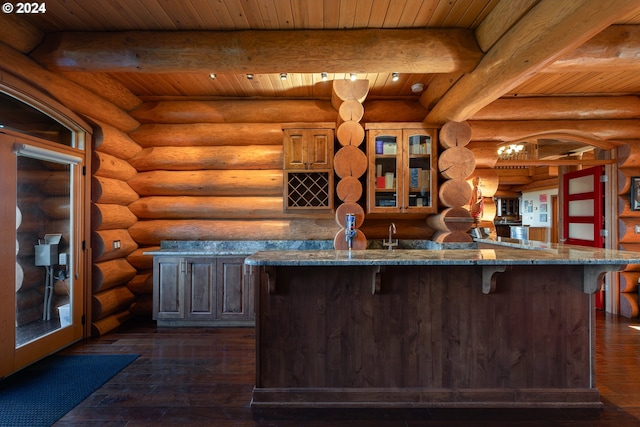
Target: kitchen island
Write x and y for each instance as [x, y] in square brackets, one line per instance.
[496, 325]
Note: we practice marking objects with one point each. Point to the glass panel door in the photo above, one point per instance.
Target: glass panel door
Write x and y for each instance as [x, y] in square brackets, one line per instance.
[582, 201]
[44, 242]
[387, 179]
[419, 176]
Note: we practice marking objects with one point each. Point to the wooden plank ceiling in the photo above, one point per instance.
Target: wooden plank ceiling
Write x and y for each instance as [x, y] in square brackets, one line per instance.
[499, 16]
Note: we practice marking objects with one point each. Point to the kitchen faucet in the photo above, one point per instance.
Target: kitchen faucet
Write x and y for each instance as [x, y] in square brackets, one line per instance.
[390, 243]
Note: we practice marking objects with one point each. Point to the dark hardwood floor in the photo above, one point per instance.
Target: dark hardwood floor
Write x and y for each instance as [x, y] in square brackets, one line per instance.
[204, 377]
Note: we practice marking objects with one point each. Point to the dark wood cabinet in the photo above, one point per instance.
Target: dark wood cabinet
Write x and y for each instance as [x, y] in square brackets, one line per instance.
[210, 290]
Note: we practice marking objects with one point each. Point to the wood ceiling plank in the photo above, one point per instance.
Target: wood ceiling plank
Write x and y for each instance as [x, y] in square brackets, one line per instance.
[394, 13]
[481, 14]
[331, 14]
[285, 14]
[439, 14]
[223, 15]
[501, 18]
[464, 13]
[268, 15]
[549, 30]
[252, 15]
[378, 14]
[409, 14]
[427, 8]
[238, 15]
[315, 15]
[363, 14]
[347, 14]
[155, 16]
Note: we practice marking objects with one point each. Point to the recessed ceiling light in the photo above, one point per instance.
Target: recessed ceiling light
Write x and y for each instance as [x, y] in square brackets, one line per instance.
[395, 77]
[212, 76]
[417, 87]
[283, 76]
[353, 77]
[324, 77]
[249, 76]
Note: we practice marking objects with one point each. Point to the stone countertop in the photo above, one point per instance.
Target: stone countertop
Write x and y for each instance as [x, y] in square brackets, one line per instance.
[234, 247]
[488, 252]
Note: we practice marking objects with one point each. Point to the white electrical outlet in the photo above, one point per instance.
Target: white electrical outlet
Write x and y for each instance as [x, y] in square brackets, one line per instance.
[637, 229]
[62, 259]
[116, 244]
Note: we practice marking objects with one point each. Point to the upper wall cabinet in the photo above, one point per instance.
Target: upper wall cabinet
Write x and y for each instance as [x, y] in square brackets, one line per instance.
[402, 173]
[308, 168]
[308, 149]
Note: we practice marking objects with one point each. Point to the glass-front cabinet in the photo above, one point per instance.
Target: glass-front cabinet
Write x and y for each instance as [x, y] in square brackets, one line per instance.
[402, 174]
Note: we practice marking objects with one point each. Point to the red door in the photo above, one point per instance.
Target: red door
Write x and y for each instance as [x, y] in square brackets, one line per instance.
[582, 204]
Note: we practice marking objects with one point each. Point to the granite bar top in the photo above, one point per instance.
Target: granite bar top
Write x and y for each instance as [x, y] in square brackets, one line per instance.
[234, 247]
[488, 252]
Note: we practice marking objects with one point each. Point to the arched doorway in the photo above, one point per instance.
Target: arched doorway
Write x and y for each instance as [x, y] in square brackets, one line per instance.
[43, 159]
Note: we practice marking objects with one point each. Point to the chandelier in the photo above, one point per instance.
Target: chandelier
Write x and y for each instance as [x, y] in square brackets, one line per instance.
[512, 152]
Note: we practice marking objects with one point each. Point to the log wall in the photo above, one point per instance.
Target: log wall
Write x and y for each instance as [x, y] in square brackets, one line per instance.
[216, 196]
[111, 242]
[628, 167]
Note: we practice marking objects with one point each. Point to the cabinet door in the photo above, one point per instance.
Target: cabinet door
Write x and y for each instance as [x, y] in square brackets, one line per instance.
[401, 172]
[419, 171]
[385, 171]
[200, 288]
[320, 148]
[294, 149]
[168, 292]
[308, 149]
[235, 296]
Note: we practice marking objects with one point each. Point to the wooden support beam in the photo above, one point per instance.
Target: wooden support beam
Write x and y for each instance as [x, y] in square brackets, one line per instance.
[615, 49]
[606, 130]
[500, 20]
[108, 87]
[18, 32]
[71, 95]
[562, 108]
[335, 51]
[551, 29]
[235, 111]
[557, 162]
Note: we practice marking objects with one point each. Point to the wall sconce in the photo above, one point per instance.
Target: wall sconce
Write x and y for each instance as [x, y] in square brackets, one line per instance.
[353, 77]
[249, 76]
[283, 76]
[324, 77]
[395, 77]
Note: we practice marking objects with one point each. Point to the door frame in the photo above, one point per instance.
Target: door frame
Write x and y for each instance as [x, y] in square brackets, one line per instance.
[12, 359]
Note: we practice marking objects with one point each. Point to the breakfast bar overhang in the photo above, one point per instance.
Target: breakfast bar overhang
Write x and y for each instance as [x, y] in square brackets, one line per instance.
[492, 326]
